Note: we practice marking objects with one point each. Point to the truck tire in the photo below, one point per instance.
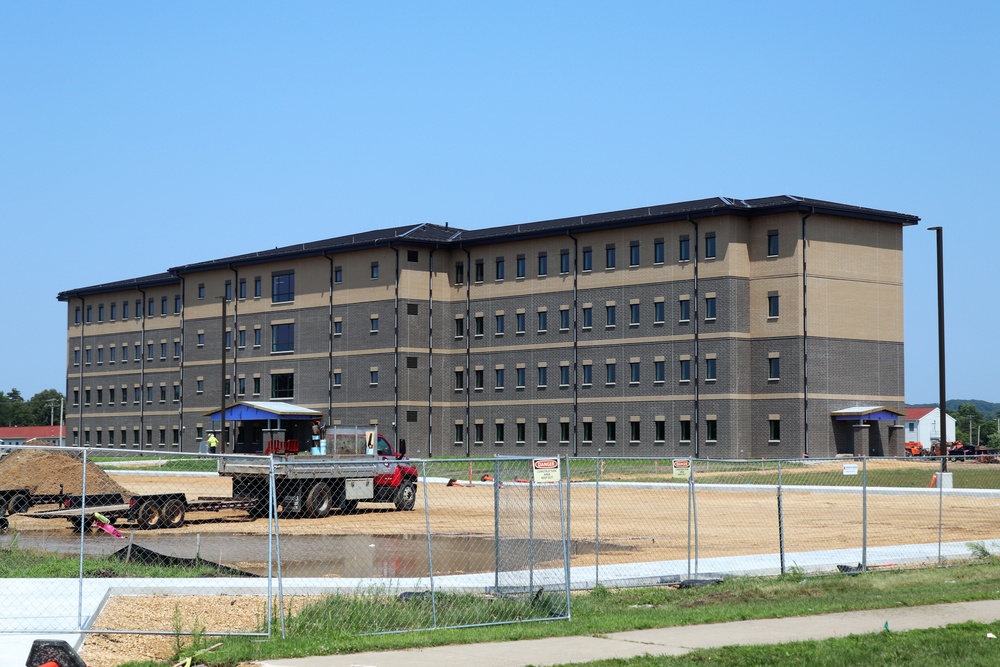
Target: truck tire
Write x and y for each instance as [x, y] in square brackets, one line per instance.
[150, 515]
[349, 506]
[173, 513]
[318, 500]
[18, 504]
[406, 496]
[82, 525]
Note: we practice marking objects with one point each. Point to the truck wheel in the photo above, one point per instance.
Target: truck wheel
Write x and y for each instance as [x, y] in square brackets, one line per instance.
[18, 504]
[318, 500]
[349, 506]
[406, 496]
[150, 515]
[258, 510]
[173, 513]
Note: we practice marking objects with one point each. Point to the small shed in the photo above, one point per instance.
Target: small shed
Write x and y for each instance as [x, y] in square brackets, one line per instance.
[868, 430]
[262, 426]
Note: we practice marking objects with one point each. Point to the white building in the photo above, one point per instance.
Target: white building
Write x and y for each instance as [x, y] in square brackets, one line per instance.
[923, 425]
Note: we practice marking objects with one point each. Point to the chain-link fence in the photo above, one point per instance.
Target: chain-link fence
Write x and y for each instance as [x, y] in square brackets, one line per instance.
[154, 542]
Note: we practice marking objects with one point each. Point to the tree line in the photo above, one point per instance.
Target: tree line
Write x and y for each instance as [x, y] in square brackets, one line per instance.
[42, 409]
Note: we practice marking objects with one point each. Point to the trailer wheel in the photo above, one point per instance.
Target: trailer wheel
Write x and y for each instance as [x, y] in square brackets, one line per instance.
[349, 506]
[318, 500]
[258, 510]
[150, 515]
[406, 496]
[82, 525]
[18, 504]
[173, 513]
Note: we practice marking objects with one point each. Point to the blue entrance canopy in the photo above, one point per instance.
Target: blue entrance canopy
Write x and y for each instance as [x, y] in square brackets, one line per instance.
[264, 411]
[870, 413]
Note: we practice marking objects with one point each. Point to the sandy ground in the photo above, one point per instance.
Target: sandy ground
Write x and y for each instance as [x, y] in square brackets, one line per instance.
[636, 525]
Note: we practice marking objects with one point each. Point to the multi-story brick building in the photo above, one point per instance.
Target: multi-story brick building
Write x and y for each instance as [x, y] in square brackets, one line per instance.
[718, 328]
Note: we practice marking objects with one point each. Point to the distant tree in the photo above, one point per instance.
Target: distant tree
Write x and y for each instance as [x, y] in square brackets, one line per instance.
[15, 411]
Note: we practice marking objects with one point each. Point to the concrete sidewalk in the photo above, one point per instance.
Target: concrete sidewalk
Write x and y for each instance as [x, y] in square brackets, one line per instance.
[664, 641]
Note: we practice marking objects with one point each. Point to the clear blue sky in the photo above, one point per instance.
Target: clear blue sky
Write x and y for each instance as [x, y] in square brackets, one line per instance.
[140, 136]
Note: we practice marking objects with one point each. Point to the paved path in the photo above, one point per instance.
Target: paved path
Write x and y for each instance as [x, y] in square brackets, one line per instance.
[665, 641]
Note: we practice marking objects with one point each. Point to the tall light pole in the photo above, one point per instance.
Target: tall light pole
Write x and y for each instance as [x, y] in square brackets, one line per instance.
[222, 383]
[941, 365]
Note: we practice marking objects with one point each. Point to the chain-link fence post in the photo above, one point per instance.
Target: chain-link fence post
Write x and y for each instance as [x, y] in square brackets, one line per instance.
[864, 513]
[430, 550]
[781, 523]
[597, 519]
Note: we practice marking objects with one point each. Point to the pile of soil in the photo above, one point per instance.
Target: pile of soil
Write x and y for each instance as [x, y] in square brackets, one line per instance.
[44, 472]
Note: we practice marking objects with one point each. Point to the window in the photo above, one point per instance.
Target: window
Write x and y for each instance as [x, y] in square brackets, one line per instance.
[710, 245]
[459, 434]
[659, 371]
[633, 370]
[564, 261]
[521, 374]
[633, 314]
[660, 427]
[564, 376]
[76, 357]
[610, 315]
[338, 378]
[228, 291]
[459, 327]
[500, 324]
[241, 386]
[658, 251]
[163, 394]
[163, 306]
[710, 372]
[588, 317]
[114, 311]
[774, 430]
[634, 432]
[459, 380]
[373, 377]
[685, 310]
[243, 338]
[177, 349]
[149, 394]
[588, 374]
[373, 324]
[684, 249]
[499, 268]
[774, 368]
[478, 438]
[459, 273]
[374, 271]
[563, 433]
[163, 351]
[149, 352]
[100, 355]
[609, 256]
[500, 378]
[112, 353]
[588, 259]
[772, 305]
[659, 312]
[283, 287]
[257, 287]
[138, 309]
[137, 395]
[685, 430]
[610, 371]
[88, 352]
[520, 323]
[479, 271]
[282, 337]
[100, 396]
[543, 377]
[709, 308]
[480, 326]
[564, 319]
[412, 255]
[543, 433]
[201, 295]
[711, 430]
[633, 253]
[90, 312]
[177, 304]
[543, 321]
[125, 306]
[499, 433]
[138, 351]
[338, 327]
[519, 437]
[243, 289]
[543, 264]
[100, 313]
[199, 386]
[479, 375]
[521, 266]
[610, 432]
[338, 275]
[685, 370]
[201, 339]
[256, 386]
[588, 431]
[772, 243]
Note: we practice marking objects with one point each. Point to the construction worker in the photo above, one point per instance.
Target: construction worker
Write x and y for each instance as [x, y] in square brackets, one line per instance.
[213, 442]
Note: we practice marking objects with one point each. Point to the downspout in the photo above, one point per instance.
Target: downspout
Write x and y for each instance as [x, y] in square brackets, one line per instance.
[697, 360]
[180, 373]
[142, 372]
[83, 340]
[468, 353]
[233, 340]
[329, 355]
[576, 351]
[805, 342]
[395, 353]
[430, 356]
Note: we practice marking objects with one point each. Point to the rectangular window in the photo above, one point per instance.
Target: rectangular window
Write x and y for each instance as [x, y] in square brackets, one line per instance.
[633, 313]
[114, 311]
[710, 308]
[478, 438]
[201, 295]
[283, 287]
[459, 434]
[242, 289]
[611, 316]
[543, 433]
[480, 271]
[257, 287]
[610, 432]
[543, 321]
[774, 368]
[100, 313]
[90, 314]
[772, 305]
[88, 352]
[373, 274]
[177, 349]
[338, 328]
[634, 432]
[710, 245]
[772, 243]
[256, 386]
[373, 324]
[543, 377]
[710, 369]
[256, 337]
[685, 310]
[282, 385]
[151, 308]
[112, 353]
[201, 339]
[499, 433]
[633, 253]
[500, 378]
[138, 309]
[125, 309]
[564, 433]
[521, 376]
[588, 259]
[241, 386]
[480, 326]
[610, 259]
[543, 264]
[588, 431]
[564, 376]
[520, 433]
[500, 325]
[338, 275]
[521, 266]
[611, 372]
[658, 251]
[459, 327]
[564, 261]
[163, 306]
[459, 380]
[684, 249]
[564, 319]
[459, 273]
[520, 323]
[199, 386]
[100, 355]
[588, 374]
[373, 377]
[499, 268]
[243, 338]
[163, 351]
[588, 317]
[138, 352]
[660, 434]
[282, 337]
[774, 430]
[633, 368]
[659, 312]
[480, 378]
[149, 394]
[338, 378]
[177, 304]
[149, 352]
[412, 255]
[685, 430]
[685, 370]
[163, 394]
[711, 430]
[659, 371]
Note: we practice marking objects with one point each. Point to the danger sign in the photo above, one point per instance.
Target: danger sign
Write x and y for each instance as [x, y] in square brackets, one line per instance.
[545, 470]
[682, 469]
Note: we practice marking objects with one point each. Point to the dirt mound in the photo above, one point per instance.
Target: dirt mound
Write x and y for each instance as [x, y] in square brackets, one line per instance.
[43, 472]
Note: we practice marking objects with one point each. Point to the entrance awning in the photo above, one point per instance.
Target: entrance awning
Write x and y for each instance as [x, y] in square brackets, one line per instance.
[867, 413]
[264, 410]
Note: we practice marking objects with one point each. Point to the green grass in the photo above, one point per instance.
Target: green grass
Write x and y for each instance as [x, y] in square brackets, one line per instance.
[25, 563]
[332, 626]
[180, 464]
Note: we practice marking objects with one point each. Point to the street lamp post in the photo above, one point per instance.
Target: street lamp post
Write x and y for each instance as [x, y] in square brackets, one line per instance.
[941, 365]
